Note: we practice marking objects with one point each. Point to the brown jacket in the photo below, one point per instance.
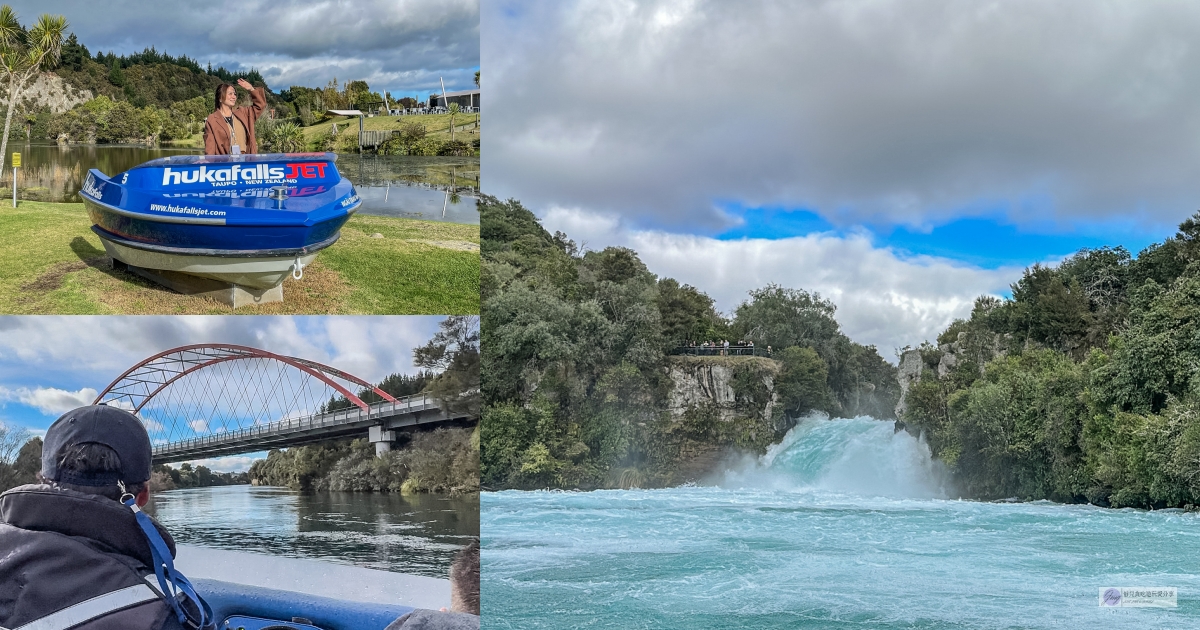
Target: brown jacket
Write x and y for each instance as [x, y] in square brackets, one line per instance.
[216, 130]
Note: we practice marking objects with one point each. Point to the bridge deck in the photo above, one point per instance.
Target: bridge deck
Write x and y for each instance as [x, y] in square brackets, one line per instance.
[405, 412]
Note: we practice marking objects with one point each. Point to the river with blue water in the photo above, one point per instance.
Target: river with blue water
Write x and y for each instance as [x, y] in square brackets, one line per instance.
[843, 524]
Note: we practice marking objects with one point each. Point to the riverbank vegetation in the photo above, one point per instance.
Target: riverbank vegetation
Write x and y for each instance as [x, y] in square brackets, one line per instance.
[1081, 387]
[164, 477]
[444, 459]
[576, 348]
[53, 263]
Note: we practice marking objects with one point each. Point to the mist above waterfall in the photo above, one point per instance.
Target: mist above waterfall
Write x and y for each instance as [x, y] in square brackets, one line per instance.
[856, 456]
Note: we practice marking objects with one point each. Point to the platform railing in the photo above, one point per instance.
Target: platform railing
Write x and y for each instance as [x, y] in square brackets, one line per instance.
[721, 351]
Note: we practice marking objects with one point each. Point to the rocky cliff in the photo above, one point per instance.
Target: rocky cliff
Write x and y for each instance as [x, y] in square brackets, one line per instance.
[718, 407]
[716, 381]
[49, 91]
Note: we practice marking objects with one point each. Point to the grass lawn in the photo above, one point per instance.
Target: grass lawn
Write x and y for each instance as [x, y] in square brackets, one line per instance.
[51, 262]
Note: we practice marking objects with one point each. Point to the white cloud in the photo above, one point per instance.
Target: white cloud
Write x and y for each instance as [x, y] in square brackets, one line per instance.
[883, 298]
[199, 426]
[50, 400]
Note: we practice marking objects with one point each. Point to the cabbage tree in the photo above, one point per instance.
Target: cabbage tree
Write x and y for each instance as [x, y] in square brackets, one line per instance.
[454, 109]
[24, 55]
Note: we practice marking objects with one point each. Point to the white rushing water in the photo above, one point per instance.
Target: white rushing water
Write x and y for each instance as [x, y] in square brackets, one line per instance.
[842, 524]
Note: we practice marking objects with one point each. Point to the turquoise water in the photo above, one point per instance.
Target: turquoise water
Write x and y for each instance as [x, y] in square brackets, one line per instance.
[844, 524]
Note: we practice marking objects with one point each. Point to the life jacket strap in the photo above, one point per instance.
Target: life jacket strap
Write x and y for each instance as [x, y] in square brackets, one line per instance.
[98, 606]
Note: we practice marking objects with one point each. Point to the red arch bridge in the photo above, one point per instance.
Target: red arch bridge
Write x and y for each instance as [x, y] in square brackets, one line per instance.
[208, 400]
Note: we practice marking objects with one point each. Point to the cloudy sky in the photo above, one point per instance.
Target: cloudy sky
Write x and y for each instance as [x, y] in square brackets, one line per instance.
[899, 157]
[401, 46]
[50, 365]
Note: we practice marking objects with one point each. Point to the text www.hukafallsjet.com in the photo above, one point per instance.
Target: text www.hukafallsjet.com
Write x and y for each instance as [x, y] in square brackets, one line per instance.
[187, 210]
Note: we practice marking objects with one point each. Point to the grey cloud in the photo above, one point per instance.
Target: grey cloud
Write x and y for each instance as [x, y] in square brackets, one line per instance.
[393, 37]
[885, 111]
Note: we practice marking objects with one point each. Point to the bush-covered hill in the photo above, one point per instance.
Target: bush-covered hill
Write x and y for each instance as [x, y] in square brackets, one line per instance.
[1084, 386]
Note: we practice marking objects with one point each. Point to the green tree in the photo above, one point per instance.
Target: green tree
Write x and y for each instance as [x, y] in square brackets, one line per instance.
[687, 314]
[801, 384]
[455, 351]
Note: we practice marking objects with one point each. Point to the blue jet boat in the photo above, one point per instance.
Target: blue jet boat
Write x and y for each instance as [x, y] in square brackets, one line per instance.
[248, 219]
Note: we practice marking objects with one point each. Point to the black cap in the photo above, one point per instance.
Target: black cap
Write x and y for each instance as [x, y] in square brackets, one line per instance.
[100, 424]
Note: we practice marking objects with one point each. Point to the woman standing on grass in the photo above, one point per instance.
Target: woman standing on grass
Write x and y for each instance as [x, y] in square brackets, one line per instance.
[229, 130]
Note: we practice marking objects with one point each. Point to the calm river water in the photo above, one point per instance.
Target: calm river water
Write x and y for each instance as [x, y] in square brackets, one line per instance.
[417, 535]
[842, 525]
[428, 188]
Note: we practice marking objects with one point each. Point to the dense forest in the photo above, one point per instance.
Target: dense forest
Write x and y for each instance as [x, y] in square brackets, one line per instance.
[577, 345]
[445, 459]
[1083, 386]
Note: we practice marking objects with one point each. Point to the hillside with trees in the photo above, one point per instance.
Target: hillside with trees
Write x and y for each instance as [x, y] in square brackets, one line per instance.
[576, 348]
[1083, 386]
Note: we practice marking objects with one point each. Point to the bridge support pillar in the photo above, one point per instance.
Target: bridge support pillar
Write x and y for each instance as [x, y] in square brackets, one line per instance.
[381, 438]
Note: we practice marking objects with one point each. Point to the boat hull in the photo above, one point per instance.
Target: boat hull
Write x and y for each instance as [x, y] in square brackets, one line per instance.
[247, 220]
[257, 269]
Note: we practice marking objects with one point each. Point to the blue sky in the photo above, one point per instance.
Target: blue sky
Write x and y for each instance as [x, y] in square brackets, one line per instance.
[900, 157]
[51, 364]
[989, 241]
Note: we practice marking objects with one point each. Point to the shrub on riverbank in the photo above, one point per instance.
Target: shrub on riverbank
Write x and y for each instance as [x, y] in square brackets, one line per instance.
[443, 460]
[1081, 387]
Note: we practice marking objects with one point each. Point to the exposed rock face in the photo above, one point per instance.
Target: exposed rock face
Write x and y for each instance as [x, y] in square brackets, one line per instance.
[709, 380]
[48, 90]
[909, 371]
[948, 355]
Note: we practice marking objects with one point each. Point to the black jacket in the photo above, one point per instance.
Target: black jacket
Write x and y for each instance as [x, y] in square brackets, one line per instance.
[59, 548]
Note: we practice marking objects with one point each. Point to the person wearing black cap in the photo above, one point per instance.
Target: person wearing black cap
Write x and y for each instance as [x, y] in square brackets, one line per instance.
[75, 550]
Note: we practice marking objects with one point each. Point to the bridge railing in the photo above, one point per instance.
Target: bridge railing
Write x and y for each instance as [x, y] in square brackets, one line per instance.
[316, 421]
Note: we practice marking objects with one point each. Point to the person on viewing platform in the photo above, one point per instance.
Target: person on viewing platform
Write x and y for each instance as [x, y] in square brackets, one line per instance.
[229, 130]
[464, 599]
[72, 555]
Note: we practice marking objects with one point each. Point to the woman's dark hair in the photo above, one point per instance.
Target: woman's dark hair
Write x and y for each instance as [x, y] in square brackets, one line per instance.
[464, 575]
[220, 95]
[90, 457]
